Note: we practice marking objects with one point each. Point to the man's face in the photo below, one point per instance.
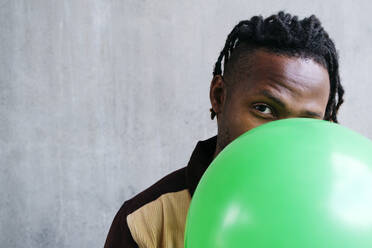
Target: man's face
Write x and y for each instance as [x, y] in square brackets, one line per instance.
[271, 87]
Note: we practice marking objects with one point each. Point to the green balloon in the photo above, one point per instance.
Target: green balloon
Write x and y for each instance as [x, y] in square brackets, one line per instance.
[293, 183]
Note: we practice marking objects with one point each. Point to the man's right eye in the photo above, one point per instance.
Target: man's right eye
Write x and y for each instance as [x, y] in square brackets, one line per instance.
[263, 108]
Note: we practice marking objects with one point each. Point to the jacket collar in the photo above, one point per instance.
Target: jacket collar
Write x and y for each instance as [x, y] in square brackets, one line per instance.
[199, 161]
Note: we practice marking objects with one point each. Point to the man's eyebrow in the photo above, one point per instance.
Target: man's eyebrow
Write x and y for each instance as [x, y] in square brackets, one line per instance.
[273, 98]
[313, 114]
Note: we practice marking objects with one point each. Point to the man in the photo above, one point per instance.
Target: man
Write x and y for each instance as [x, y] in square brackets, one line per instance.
[273, 68]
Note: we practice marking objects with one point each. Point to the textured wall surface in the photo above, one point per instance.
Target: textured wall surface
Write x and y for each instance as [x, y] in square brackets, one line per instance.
[99, 99]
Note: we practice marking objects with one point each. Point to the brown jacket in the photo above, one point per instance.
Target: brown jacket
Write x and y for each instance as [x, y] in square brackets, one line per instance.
[156, 217]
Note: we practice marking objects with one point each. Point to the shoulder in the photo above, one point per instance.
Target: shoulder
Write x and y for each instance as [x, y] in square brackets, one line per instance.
[157, 216]
[173, 182]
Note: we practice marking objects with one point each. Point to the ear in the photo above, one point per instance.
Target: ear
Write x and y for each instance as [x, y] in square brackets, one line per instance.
[217, 93]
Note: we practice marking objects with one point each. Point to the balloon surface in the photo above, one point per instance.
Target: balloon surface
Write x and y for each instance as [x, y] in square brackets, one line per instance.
[292, 183]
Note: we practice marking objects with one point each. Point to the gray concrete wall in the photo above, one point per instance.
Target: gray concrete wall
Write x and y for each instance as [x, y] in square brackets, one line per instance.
[99, 99]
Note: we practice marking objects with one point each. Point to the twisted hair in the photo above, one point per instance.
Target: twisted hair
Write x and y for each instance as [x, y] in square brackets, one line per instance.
[287, 35]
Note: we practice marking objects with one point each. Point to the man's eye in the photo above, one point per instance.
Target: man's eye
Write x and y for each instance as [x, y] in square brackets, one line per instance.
[263, 108]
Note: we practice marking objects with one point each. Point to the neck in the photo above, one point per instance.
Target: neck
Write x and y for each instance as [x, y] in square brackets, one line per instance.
[217, 151]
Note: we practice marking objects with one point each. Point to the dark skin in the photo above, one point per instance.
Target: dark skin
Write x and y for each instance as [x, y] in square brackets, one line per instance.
[264, 87]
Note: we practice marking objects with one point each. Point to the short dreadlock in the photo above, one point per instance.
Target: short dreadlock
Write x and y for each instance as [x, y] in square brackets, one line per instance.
[286, 34]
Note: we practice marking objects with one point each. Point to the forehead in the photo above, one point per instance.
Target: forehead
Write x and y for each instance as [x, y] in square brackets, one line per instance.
[291, 76]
